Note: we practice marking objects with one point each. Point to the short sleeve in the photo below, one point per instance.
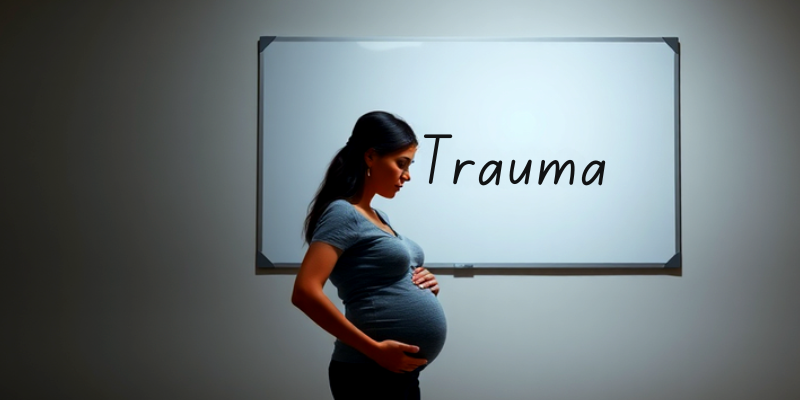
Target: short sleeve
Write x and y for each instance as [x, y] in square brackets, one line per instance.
[337, 226]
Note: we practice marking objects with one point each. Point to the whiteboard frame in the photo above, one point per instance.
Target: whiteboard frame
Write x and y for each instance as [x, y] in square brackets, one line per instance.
[262, 262]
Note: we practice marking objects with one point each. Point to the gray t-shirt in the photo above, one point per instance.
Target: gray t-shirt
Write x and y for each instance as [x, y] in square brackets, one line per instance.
[373, 278]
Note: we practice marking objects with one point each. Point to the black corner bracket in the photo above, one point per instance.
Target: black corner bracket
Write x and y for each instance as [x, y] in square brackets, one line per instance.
[673, 43]
[264, 41]
[675, 261]
[262, 261]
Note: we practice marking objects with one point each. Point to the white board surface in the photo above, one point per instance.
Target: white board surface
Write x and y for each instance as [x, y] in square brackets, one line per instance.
[613, 102]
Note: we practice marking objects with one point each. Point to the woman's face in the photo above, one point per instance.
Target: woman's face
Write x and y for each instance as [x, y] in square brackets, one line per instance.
[388, 173]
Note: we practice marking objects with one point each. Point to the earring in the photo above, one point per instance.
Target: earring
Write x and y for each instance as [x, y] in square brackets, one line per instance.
[368, 172]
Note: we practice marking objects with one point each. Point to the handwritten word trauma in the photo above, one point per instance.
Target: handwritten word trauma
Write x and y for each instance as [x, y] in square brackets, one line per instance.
[497, 169]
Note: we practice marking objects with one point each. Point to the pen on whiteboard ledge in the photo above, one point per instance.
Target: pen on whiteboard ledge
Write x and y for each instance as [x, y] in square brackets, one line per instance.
[462, 265]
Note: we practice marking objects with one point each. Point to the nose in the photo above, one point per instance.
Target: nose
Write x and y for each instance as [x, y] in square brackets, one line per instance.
[406, 176]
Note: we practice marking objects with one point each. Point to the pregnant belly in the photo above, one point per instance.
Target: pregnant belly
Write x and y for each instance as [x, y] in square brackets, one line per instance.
[407, 314]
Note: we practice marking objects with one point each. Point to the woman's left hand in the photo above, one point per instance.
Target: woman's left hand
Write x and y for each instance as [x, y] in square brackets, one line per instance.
[425, 280]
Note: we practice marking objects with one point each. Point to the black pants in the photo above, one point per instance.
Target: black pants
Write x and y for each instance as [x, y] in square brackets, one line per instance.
[351, 381]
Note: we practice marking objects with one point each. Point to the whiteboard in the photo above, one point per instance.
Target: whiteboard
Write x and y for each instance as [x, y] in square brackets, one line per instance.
[604, 108]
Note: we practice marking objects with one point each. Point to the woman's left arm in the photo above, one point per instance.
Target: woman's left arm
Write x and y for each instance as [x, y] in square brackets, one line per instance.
[425, 280]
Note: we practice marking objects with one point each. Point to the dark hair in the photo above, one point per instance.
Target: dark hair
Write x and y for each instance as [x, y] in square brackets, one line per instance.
[377, 130]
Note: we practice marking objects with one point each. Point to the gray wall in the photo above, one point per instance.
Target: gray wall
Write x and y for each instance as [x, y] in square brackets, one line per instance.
[128, 179]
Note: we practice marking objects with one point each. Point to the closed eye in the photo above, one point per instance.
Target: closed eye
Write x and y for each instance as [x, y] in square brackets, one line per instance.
[404, 164]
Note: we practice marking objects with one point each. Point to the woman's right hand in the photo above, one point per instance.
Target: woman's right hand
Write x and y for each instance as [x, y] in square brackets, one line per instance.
[391, 354]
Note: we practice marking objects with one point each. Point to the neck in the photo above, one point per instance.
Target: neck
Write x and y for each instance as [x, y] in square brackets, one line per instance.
[364, 200]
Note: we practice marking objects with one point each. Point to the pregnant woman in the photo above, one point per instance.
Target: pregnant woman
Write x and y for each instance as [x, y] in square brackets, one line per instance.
[393, 324]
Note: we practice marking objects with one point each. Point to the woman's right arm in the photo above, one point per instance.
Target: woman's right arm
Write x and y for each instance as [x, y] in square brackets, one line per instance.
[309, 298]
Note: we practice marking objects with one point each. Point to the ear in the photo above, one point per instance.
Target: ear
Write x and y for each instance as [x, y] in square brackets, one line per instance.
[370, 156]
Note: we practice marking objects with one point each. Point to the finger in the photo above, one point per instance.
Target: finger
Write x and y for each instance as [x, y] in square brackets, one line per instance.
[420, 270]
[435, 290]
[410, 348]
[428, 282]
[425, 275]
[422, 276]
[414, 364]
[417, 362]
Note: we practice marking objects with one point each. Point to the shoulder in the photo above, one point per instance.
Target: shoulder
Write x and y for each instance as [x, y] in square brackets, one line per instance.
[340, 211]
[337, 225]
[339, 206]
